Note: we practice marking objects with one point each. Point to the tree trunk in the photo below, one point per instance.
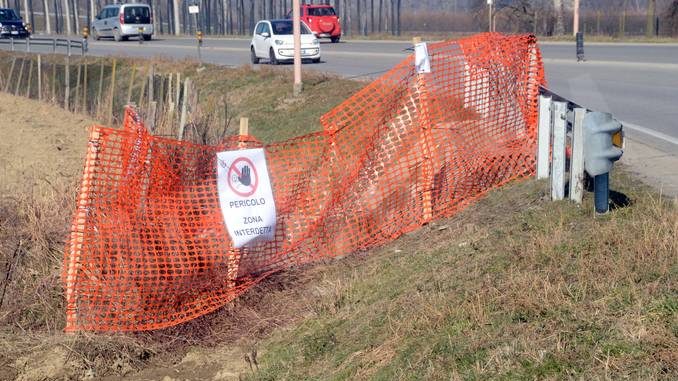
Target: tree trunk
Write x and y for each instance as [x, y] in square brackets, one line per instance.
[76, 16]
[24, 12]
[622, 20]
[67, 17]
[392, 22]
[92, 12]
[57, 25]
[347, 11]
[241, 26]
[381, 7]
[250, 24]
[360, 16]
[649, 26]
[224, 18]
[558, 9]
[175, 11]
[48, 24]
[371, 16]
[398, 18]
[31, 14]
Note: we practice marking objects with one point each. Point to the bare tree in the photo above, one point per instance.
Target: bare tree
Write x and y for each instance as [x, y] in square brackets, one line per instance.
[48, 24]
[76, 16]
[67, 16]
[177, 28]
[649, 25]
[558, 9]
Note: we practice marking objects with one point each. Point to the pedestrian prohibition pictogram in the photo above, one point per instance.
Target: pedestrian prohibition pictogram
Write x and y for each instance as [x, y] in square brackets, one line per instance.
[242, 177]
[245, 196]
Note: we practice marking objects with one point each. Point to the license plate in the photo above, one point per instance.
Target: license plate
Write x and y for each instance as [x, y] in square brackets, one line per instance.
[15, 32]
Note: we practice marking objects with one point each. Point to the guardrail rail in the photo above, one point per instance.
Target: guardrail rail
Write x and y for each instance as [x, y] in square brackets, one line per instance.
[26, 44]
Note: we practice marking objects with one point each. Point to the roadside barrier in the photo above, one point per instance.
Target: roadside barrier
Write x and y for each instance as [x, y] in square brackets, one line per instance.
[53, 44]
[148, 246]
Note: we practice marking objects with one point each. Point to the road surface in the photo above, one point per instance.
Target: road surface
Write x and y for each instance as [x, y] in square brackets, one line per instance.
[638, 83]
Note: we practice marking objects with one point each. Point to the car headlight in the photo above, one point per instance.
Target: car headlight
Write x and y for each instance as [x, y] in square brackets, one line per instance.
[279, 42]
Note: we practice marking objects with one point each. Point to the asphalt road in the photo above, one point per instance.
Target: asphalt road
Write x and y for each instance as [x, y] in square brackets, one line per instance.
[638, 83]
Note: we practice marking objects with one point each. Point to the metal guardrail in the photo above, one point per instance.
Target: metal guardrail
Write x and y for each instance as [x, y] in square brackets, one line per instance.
[26, 44]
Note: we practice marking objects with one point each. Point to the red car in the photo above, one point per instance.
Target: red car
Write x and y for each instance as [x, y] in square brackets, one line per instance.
[322, 20]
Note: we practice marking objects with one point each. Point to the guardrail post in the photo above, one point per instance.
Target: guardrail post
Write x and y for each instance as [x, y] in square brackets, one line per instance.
[558, 162]
[544, 137]
[11, 43]
[68, 47]
[83, 47]
[28, 45]
[54, 45]
[577, 159]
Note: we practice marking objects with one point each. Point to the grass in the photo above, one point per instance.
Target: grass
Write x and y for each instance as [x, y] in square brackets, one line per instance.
[224, 95]
[34, 224]
[515, 287]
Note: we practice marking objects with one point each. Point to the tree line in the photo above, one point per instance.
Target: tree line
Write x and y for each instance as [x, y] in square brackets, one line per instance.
[370, 17]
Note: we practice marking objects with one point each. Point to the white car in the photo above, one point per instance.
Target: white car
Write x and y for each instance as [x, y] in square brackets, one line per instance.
[273, 40]
[122, 21]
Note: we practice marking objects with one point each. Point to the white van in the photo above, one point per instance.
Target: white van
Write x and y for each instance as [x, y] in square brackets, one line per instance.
[121, 21]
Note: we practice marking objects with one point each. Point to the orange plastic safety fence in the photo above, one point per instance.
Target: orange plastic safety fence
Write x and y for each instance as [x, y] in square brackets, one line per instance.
[149, 248]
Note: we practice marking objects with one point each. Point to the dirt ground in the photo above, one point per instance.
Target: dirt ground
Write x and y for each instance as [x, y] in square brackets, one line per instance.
[40, 144]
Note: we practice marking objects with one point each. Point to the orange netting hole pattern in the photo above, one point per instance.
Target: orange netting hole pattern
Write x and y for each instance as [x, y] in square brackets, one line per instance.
[148, 246]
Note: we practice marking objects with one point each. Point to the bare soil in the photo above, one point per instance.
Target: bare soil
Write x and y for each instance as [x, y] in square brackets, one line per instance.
[40, 144]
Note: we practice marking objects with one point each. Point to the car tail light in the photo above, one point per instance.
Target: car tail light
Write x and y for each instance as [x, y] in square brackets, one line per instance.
[122, 18]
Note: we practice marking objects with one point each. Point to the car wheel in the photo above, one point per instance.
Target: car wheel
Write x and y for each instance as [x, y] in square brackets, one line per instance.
[316, 60]
[253, 57]
[335, 39]
[271, 57]
[116, 35]
[148, 37]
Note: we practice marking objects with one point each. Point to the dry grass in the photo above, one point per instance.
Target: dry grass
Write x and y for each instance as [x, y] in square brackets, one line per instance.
[40, 162]
[514, 287]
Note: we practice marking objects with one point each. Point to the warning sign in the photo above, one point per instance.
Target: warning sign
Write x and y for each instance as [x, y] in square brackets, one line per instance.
[245, 196]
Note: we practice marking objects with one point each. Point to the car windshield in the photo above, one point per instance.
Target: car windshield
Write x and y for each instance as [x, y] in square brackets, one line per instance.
[324, 11]
[8, 15]
[137, 15]
[285, 27]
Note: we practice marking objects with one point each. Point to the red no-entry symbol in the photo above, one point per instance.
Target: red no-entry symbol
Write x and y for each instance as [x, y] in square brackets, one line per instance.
[242, 177]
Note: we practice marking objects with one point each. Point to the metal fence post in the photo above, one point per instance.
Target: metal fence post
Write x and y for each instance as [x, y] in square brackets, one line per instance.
[559, 142]
[544, 137]
[577, 159]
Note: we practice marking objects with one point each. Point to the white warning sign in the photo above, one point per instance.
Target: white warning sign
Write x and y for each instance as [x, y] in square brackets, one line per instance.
[245, 196]
[422, 62]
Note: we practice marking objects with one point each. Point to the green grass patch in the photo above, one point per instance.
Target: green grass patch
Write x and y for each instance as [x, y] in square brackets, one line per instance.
[514, 287]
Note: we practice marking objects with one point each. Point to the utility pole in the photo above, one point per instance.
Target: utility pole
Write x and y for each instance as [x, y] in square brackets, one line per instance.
[296, 27]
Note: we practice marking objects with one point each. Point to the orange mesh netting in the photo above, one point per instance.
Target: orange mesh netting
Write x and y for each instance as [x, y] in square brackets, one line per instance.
[149, 248]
